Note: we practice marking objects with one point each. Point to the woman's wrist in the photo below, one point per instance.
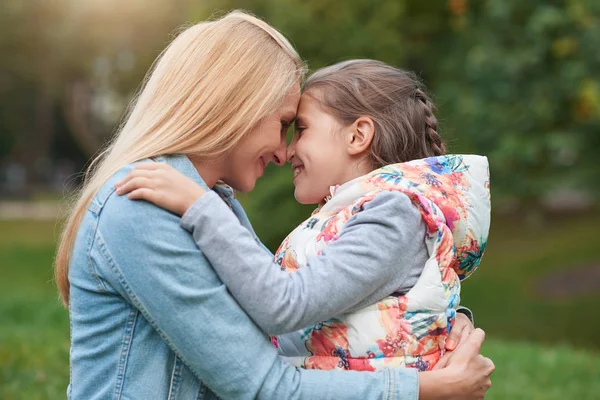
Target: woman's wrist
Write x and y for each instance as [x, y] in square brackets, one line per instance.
[436, 385]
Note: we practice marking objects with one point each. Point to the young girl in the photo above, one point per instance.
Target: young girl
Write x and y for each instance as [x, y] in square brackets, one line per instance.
[374, 273]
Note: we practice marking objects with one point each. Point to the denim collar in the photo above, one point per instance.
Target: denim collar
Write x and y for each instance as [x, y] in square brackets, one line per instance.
[182, 163]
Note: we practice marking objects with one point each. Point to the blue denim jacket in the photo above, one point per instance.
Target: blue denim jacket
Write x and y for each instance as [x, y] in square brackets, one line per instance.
[150, 318]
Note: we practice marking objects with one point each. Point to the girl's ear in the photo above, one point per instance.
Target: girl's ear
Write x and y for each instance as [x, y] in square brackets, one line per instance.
[360, 135]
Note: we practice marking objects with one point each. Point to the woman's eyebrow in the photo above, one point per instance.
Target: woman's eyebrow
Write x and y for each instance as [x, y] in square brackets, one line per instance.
[289, 116]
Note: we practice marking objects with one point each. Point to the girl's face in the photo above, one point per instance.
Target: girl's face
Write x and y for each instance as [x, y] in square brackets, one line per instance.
[318, 152]
[266, 142]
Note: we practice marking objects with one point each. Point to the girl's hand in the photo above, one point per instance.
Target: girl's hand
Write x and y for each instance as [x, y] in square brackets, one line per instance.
[162, 185]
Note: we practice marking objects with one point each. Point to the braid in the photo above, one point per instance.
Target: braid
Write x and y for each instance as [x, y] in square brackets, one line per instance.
[432, 135]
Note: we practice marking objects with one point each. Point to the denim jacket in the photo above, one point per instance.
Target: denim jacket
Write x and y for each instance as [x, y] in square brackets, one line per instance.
[150, 318]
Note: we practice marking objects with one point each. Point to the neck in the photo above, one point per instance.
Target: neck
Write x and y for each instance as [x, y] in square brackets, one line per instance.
[210, 172]
[359, 168]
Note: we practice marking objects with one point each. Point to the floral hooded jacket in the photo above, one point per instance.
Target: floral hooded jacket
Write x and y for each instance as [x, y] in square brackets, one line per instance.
[452, 195]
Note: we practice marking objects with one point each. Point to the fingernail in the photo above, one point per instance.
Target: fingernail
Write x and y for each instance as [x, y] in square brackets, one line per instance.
[450, 345]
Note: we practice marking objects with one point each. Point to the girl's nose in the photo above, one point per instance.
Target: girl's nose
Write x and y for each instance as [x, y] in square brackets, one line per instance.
[291, 150]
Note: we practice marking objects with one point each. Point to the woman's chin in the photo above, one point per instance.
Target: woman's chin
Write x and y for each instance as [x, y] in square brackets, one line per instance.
[243, 185]
[248, 187]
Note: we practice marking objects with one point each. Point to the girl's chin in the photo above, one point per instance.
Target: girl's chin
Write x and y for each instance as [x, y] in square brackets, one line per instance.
[305, 199]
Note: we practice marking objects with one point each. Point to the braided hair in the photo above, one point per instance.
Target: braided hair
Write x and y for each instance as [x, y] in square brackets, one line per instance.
[405, 125]
[431, 125]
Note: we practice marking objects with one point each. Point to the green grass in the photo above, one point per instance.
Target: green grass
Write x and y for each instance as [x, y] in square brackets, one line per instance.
[527, 371]
[543, 348]
[505, 294]
[34, 334]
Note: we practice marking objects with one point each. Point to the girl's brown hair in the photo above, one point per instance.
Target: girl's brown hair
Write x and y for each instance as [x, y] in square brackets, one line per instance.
[396, 100]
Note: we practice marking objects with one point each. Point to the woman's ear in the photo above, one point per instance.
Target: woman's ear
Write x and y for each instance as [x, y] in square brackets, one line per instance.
[360, 135]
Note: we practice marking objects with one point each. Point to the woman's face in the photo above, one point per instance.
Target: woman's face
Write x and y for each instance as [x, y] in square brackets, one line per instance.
[266, 142]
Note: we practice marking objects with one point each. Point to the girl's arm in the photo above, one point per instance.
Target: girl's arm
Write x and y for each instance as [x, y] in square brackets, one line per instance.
[368, 262]
[379, 251]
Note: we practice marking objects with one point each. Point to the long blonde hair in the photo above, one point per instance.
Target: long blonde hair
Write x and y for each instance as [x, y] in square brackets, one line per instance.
[212, 83]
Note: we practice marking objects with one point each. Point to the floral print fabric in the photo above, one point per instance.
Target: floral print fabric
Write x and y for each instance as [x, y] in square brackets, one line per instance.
[452, 196]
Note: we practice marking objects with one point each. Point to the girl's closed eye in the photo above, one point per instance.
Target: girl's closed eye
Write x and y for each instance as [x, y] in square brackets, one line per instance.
[299, 130]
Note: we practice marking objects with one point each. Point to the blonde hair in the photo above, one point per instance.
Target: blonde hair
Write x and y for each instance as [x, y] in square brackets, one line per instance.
[210, 86]
[396, 101]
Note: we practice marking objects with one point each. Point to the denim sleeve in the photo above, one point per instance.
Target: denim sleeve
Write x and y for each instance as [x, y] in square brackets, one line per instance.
[377, 253]
[157, 267]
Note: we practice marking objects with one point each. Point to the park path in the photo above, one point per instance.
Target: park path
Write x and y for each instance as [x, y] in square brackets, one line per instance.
[12, 210]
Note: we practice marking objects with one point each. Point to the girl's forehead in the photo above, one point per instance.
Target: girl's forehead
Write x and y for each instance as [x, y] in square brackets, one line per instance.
[310, 102]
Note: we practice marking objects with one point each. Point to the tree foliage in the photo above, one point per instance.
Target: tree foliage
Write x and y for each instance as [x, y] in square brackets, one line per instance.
[516, 81]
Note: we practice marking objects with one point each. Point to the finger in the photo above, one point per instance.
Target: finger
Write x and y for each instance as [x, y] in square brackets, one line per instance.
[454, 336]
[443, 362]
[142, 194]
[465, 334]
[472, 345]
[150, 166]
[135, 173]
[457, 333]
[490, 366]
[468, 327]
[135, 183]
[476, 338]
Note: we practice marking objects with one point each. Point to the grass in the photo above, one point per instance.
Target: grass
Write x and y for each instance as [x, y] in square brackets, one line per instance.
[506, 296]
[34, 334]
[544, 348]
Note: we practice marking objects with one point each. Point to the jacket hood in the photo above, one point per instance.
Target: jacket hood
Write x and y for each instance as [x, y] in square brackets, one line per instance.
[458, 188]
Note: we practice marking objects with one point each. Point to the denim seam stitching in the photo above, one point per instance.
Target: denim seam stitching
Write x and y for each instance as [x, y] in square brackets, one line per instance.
[175, 378]
[91, 269]
[390, 395]
[201, 390]
[125, 347]
[135, 301]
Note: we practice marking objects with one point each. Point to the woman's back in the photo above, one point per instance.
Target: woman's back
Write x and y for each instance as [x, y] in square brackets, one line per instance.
[115, 351]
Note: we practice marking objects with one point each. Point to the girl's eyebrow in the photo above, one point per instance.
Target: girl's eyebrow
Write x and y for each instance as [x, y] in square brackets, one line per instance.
[299, 120]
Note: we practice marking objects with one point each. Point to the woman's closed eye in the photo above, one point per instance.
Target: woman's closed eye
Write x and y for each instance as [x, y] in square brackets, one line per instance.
[285, 125]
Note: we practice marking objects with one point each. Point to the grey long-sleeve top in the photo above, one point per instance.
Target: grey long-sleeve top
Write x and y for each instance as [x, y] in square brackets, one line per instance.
[380, 251]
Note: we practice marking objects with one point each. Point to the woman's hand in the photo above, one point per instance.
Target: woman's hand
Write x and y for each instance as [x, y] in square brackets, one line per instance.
[162, 185]
[466, 374]
[460, 331]
[458, 334]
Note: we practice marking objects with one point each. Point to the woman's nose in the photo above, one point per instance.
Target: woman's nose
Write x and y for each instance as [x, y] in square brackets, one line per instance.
[280, 155]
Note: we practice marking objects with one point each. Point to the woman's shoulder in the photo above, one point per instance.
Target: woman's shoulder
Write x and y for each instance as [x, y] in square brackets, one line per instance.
[119, 212]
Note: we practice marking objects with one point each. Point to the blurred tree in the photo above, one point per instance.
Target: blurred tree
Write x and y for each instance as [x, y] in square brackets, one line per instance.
[521, 86]
[516, 81]
[77, 61]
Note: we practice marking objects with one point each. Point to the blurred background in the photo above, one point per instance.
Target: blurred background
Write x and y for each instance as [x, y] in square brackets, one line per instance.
[517, 81]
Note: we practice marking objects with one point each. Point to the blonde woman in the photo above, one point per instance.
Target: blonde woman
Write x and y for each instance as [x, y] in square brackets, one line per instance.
[150, 318]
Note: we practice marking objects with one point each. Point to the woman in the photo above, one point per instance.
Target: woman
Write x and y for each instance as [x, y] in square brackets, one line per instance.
[149, 316]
